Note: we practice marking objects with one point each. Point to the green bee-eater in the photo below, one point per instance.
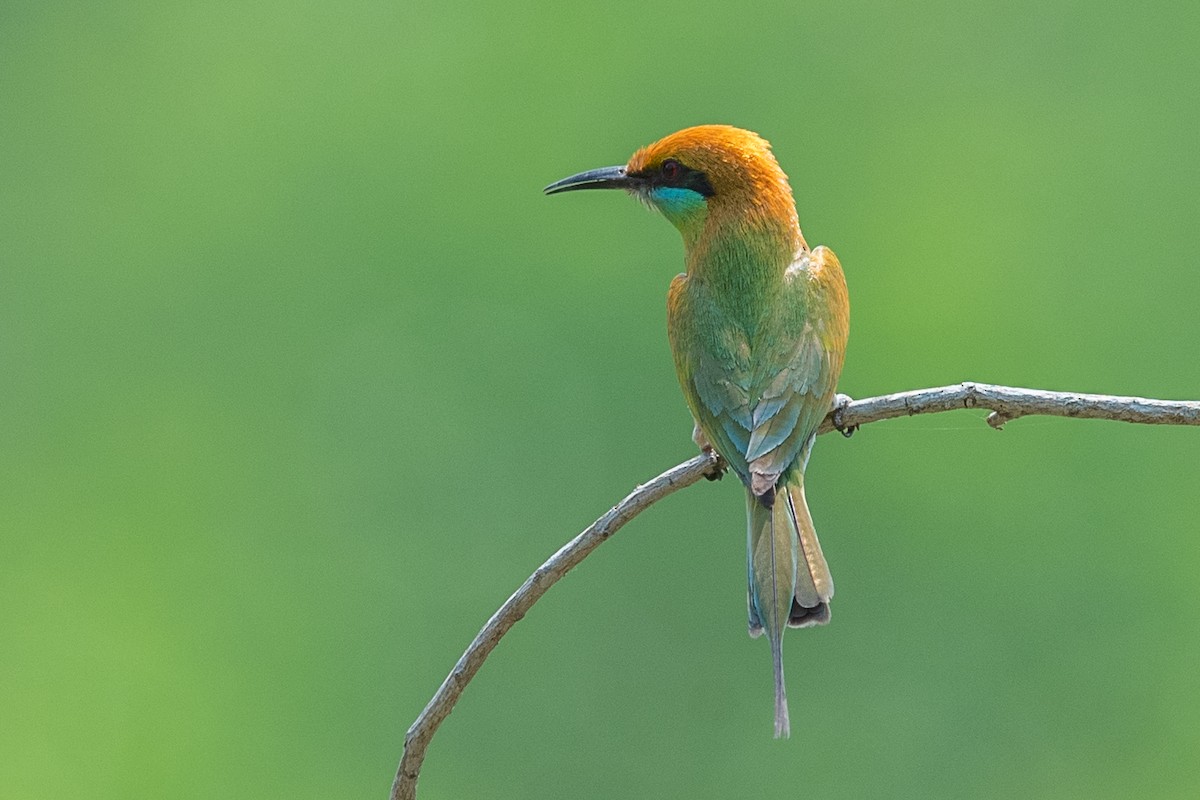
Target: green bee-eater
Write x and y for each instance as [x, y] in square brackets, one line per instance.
[758, 326]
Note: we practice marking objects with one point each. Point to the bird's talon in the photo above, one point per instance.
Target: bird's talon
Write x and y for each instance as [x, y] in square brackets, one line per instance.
[719, 468]
[840, 403]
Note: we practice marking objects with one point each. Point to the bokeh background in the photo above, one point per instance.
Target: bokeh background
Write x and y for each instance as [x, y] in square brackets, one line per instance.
[301, 376]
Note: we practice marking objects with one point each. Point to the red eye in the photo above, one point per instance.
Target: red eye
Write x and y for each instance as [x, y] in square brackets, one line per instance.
[671, 169]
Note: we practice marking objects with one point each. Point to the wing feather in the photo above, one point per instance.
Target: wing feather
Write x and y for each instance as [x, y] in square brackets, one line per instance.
[759, 399]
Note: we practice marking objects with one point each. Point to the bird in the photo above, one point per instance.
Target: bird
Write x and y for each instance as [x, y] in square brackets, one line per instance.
[758, 324]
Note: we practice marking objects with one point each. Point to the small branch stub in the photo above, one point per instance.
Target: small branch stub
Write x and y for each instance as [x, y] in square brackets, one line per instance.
[1005, 402]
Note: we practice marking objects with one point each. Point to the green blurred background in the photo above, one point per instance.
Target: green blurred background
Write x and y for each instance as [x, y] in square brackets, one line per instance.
[302, 376]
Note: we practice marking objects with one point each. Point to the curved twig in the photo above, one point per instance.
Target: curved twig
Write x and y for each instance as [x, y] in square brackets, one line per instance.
[1006, 403]
[545, 576]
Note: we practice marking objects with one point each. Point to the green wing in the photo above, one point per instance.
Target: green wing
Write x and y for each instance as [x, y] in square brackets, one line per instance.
[759, 397]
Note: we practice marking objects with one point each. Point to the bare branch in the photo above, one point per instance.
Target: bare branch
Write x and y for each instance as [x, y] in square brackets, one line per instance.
[1006, 403]
[417, 739]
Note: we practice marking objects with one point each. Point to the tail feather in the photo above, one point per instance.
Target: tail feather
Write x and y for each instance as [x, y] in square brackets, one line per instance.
[789, 582]
[783, 725]
[814, 583]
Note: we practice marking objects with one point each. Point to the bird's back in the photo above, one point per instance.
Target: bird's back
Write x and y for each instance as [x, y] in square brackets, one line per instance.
[759, 368]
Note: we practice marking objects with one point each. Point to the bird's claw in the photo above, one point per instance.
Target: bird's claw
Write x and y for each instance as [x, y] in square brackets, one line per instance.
[718, 470]
[719, 466]
[840, 403]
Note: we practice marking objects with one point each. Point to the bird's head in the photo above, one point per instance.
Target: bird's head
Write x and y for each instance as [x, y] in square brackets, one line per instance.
[702, 179]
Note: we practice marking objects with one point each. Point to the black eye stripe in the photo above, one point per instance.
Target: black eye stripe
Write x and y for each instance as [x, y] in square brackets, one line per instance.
[676, 174]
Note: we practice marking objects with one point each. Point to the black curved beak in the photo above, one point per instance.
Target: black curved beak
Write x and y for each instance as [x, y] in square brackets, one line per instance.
[603, 178]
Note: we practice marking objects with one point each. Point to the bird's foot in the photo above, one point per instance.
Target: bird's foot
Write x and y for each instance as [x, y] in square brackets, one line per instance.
[840, 403]
[720, 467]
